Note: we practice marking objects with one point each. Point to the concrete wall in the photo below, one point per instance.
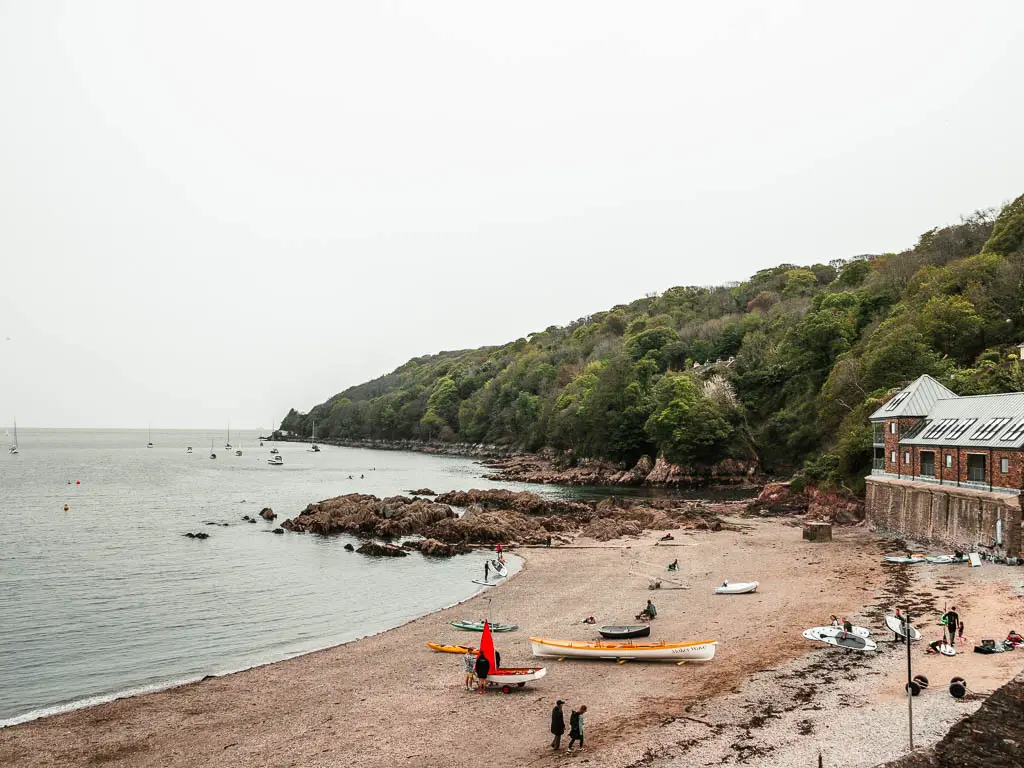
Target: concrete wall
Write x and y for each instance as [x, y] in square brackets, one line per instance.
[958, 518]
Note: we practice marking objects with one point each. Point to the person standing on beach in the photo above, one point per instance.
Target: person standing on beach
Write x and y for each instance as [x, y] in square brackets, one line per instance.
[557, 724]
[952, 622]
[576, 728]
[482, 667]
[487, 570]
[469, 666]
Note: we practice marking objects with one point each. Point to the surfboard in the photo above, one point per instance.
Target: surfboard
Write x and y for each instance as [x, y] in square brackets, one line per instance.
[833, 636]
[858, 631]
[482, 583]
[899, 628]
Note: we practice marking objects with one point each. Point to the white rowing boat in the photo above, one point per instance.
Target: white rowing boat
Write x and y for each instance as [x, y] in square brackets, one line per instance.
[739, 588]
[701, 650]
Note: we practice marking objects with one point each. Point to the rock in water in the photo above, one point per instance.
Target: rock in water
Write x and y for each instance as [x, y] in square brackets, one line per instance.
[349, 548]
[374, 549]
[267, 513]
[279, 530]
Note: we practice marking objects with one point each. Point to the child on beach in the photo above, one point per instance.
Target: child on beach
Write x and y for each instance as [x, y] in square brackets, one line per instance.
[469, 665]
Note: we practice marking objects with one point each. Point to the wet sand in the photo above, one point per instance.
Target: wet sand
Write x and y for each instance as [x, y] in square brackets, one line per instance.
[389, 700]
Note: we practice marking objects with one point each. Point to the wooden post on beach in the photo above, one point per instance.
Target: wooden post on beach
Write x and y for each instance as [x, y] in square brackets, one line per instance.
[910, 681]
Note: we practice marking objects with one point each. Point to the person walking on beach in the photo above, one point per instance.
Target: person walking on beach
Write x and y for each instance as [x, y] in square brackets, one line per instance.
[952, 621]
[469, 666]
[557, 724]
[576, 728]
[482, 667]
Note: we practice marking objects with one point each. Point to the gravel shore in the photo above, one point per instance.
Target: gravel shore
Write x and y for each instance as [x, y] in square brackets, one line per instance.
[768, 698]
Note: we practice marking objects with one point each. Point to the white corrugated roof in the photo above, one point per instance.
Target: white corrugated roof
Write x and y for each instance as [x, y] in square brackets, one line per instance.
[979, 421]
[916, 399]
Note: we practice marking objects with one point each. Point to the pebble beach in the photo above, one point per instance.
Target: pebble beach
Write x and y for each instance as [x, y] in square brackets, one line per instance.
[769, 697]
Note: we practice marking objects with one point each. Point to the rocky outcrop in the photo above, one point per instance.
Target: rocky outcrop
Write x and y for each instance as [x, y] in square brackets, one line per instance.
[550, 467]
[374, 549]
[268, 514]
[836, 507]
[435, 548]
[423, 492]
[197, 535]
[499, 516]
[358, 513]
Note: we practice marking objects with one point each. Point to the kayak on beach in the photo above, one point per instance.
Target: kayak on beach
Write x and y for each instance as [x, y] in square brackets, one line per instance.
[478, 626]
[701, 650]
[904, 560]
[834, 636]
[452, 648]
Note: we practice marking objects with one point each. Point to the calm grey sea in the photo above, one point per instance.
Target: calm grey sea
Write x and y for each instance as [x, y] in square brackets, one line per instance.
[110, 597]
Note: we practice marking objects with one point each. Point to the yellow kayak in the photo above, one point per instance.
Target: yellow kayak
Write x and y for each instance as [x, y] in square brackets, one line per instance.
[451, 648]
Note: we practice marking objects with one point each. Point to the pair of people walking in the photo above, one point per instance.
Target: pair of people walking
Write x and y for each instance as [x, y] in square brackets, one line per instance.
[575, 726]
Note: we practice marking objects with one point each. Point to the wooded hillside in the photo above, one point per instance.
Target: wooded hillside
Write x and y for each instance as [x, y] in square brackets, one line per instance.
[786, 365]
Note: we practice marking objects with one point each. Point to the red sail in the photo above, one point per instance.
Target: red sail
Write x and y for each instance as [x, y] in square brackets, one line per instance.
[487, 645]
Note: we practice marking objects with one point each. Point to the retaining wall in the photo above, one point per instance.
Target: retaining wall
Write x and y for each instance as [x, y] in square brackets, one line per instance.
[958, 518]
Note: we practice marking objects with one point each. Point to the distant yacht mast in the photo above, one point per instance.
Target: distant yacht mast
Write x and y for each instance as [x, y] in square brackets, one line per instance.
[14, 448]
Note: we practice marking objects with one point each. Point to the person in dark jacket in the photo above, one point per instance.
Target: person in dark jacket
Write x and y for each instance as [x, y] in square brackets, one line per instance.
[576, 727]
[557, 724]
[952, 622]
[483, 668]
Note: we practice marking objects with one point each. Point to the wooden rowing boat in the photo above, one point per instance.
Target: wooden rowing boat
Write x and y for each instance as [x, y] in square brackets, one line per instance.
[625, 632]
[700, 650]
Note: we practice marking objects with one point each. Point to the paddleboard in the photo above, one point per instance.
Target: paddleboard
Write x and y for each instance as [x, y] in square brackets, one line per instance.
[483, 583]
[975, 559]
[899, 628]
[833, 636]
[947, 650]
[858, 631]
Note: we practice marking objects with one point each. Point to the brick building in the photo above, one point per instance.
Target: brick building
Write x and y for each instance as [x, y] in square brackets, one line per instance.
[949, 469]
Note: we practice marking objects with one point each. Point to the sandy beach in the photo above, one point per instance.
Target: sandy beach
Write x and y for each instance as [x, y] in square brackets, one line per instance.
[769, 697]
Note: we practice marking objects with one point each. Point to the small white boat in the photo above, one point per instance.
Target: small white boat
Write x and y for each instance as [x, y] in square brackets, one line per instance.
[739, 588]
[833, 636]
[903, 560]
[499, 568]
[274, 451]
[898, 626]
[514, 676]
[212, 454]
[275, 461]
[13, 450]
[189, 449]
[701, 650]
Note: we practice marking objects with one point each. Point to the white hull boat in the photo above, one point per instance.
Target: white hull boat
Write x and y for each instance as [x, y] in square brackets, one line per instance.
[739, 588]
[701, 650]
[514, 676]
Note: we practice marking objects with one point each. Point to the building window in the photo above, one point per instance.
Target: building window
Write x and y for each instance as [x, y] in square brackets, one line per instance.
[1004, 466]
[949, 460]
[892, 457]
[906, 457]
[892, 427]
[976, 467]
[928, 463]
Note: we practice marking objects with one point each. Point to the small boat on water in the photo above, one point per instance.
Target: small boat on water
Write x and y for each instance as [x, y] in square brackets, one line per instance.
[313, 447]
[452, 648]
[275, 461]
[189, 449]
[478, 626]
[13, 450]
[274, 451]
[499, 568]
[625, 632]
[700, 650]
[212, 454]
[739, 588]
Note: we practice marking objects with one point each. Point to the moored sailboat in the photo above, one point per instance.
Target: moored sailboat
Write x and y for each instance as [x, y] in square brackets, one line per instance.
[13, 450]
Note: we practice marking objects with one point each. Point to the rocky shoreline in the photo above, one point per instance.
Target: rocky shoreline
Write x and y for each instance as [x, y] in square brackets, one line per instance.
[454, 521]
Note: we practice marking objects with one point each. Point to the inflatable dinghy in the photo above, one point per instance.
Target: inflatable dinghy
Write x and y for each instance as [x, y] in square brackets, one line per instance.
[739, 588]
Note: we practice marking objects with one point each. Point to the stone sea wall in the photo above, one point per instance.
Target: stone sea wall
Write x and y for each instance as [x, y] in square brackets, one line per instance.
[955, 517]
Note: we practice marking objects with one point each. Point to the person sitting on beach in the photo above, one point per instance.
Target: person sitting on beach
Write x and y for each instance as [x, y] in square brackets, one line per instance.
[648, 613]
[935, 647]
[674, 565]
[590, 620]
[1014, 639]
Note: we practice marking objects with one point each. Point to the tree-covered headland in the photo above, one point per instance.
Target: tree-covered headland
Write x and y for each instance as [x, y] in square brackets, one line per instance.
[785, 366]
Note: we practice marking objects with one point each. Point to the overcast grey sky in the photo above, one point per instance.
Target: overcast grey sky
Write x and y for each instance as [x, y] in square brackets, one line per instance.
[214, 209]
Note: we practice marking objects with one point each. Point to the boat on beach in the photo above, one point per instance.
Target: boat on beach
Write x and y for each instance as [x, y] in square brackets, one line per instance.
[625, 631]
[478, 626]
[275, 461]
[505, 678]
[700, 650]
[452, 648]
[739, 588]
